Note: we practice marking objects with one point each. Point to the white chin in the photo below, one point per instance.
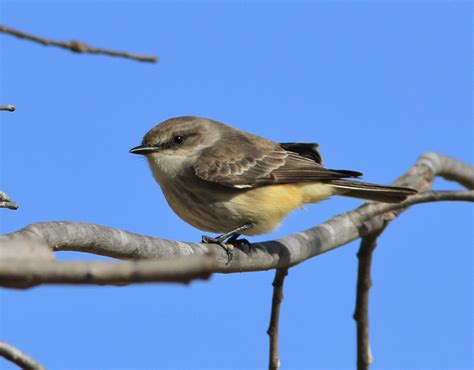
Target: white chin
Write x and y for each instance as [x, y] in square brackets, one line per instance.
[165, 166]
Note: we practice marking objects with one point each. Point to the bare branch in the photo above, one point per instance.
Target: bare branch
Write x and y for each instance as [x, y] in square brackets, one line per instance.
[449, 169]
[361, 314]
[280, 274]
[28, 273]
[76, 46]
[367, 246]
[8, 107]
[284, 252]
[420, 198]
[18, 357]
[6, 202]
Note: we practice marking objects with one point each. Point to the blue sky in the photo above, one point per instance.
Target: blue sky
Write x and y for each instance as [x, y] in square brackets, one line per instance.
[376, 83]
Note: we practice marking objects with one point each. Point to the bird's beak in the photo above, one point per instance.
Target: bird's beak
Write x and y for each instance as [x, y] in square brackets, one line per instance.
[144, 149]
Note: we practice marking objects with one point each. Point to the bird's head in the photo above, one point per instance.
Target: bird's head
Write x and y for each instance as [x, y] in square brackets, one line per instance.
[176, 143]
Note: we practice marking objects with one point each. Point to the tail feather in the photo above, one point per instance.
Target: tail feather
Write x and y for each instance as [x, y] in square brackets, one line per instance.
[367, 191]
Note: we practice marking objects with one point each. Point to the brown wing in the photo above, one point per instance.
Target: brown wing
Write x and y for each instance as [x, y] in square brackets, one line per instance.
[247, 161]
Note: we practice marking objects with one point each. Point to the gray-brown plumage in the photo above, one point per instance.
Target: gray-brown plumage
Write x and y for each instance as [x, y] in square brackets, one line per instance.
[218, 178]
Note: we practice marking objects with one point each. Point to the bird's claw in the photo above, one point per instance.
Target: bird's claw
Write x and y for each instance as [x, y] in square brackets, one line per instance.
[229, 240]
[229, 248]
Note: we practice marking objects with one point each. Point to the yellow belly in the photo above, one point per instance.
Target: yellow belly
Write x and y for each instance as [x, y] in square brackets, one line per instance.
[268, 205]
[265, 206]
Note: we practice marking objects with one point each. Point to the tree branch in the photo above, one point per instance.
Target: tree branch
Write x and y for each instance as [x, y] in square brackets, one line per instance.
[8, 107]
[280, 274]
[367, 247]
[29, 261]
[28, 273]
[76, 46]
[284, 252]
[391, 210]
[361, 314]
[6, 202]
[18, 357]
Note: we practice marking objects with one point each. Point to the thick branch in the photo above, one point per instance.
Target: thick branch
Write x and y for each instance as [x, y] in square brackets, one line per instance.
[284, 252]
[28, 273]
[8, 107]
[6, 202]
[280, 274]
[18, 357]
[76, 46]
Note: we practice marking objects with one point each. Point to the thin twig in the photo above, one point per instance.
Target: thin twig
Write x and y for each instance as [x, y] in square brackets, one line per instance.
[6, 202]
[18, 357]
[23, 273]
[280, 274]
[361, 313]
[8, 107]
[420, 198]
[76, 46]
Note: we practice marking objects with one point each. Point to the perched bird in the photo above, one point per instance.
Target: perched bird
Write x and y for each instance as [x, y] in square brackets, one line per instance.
[223, 180]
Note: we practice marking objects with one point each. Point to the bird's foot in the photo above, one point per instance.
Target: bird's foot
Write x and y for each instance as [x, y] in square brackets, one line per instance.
[229, 248]
[229, 240]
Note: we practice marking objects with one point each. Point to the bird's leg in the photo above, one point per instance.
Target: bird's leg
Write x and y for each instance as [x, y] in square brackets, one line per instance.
[234, 234]
[228, 239]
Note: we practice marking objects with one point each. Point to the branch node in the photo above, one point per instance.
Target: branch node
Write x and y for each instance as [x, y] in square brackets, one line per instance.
[76, 46]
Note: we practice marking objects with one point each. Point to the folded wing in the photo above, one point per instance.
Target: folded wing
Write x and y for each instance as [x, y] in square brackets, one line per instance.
[258, 162]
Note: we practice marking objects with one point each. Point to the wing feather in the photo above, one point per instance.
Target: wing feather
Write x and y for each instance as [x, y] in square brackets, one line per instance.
[248, 163]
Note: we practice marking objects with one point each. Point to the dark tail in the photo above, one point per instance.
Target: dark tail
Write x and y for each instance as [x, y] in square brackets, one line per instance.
[379, 193]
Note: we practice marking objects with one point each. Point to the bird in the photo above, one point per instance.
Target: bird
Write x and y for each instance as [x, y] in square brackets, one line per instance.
[226, 181]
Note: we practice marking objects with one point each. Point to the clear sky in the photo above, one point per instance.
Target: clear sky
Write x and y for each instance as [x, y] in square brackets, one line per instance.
[376, 83]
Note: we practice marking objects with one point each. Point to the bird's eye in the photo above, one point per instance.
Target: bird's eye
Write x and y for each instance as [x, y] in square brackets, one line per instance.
[178, 139]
